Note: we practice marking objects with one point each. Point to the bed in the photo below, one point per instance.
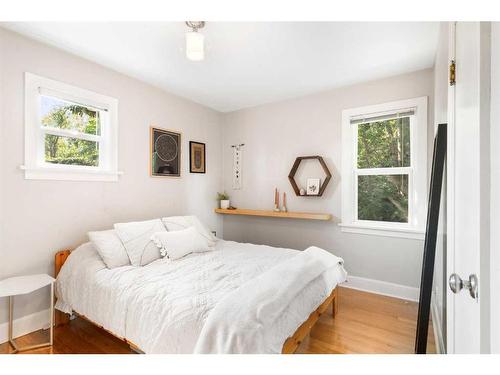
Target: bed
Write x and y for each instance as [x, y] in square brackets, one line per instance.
[164, 307]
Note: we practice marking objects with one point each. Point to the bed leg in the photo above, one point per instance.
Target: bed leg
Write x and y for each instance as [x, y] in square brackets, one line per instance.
[135, 349]
[61, 318]
[59, 259]
[335, 304]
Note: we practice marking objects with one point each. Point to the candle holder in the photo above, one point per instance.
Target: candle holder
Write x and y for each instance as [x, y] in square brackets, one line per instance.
[283, 207]
[276, 200]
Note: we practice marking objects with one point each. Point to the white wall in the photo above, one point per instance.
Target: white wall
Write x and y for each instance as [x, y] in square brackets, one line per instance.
[275, 134]
[40, 217]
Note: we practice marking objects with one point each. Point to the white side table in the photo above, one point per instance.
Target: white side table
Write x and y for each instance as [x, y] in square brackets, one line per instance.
[16, 286]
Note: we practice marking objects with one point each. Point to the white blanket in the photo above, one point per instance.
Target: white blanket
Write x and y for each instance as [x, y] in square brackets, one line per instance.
[162, 307]
[242, 322]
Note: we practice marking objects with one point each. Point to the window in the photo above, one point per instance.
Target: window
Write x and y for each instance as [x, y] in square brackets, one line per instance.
[70, 133]
[385, 168]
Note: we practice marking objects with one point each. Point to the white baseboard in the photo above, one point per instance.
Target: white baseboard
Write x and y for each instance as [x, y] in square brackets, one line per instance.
[40, 320]
[26, 324]
[382, 287]
[437, 328]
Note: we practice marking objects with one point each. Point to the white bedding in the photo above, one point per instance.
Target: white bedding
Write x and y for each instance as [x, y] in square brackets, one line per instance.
[243, 321]
[162, 307]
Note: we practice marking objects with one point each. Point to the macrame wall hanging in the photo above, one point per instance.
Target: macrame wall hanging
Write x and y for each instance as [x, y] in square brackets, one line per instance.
[237, 165]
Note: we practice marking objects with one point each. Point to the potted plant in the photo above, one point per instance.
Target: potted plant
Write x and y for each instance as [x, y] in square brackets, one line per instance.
[223, 198]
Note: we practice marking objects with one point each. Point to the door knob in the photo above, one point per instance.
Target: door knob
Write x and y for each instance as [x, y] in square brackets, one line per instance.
[457, 284]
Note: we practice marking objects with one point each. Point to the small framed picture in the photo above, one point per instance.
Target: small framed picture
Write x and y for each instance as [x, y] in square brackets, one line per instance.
[312, 186]
[197, 163]
[165, 157]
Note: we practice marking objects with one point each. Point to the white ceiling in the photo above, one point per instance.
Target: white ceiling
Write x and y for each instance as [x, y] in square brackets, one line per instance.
[247, 64]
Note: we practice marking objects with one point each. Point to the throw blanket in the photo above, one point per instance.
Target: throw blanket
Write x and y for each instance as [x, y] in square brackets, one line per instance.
[242, 321]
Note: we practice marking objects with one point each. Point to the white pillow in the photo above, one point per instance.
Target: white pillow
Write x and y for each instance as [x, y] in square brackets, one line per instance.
[136, 237]
[173, 223]
[110, 248]
[179, 243]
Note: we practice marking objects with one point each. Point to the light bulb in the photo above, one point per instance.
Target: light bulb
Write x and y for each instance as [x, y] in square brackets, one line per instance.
[195, 46]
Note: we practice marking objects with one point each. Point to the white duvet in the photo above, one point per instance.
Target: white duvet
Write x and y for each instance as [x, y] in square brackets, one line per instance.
[162, 307]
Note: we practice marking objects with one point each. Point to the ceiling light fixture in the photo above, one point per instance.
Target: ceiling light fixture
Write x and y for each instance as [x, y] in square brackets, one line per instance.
[195, 41]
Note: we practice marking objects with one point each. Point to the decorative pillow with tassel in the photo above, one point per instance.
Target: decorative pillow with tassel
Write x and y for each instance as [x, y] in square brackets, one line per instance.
[136, 238]
[177, 244]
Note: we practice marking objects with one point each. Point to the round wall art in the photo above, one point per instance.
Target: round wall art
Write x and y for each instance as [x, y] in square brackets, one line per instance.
[165, 153]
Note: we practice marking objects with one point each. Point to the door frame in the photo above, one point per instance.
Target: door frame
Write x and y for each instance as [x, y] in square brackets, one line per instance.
[450, 198]
[482, 231]
[495, 185]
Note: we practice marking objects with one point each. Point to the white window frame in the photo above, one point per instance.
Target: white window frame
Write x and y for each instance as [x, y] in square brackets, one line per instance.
[417, 172]
[35, 167]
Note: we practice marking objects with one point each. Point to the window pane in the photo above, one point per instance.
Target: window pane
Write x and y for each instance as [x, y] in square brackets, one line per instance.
[384, 144]
[383, 198]
[72, 151]
[61, 114]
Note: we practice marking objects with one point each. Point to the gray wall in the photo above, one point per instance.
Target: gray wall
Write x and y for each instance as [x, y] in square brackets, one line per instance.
[275, 134]
[40, 217]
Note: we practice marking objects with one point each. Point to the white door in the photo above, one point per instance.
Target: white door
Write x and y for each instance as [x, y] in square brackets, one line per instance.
[495, 186]
[466, 217]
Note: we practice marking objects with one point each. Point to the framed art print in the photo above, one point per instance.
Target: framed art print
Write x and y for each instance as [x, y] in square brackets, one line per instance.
[165, 158]
[197, 162]
[313, 185]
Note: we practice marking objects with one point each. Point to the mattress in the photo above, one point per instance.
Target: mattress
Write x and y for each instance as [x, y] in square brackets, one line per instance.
[163, 306]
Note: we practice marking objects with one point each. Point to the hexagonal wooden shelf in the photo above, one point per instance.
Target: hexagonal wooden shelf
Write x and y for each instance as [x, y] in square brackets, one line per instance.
[291, 175]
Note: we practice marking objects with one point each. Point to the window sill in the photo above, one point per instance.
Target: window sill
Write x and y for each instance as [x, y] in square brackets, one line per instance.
[69, 175]
[377, 230]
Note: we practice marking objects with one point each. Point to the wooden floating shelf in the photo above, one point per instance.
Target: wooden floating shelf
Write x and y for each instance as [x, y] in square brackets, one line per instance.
[270, 213]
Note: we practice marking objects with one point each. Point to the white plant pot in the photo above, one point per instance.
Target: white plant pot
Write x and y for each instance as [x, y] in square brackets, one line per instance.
[224, 204]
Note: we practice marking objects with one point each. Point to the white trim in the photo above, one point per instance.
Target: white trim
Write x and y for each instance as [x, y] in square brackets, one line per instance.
[383, 116]
[382, 287]
[495, 188]
[450, 199]
[35, 166]
[73, 174]
[71, 134]
[380, 230]
[82, 97]
[26, 324]
[417, 172]
[437, 328]
[384, 171]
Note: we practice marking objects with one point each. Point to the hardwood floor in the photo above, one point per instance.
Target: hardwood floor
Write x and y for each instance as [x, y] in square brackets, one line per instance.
[365, 323]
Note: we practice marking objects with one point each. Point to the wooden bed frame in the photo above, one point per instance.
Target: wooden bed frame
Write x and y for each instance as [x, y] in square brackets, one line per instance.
[289, 347]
